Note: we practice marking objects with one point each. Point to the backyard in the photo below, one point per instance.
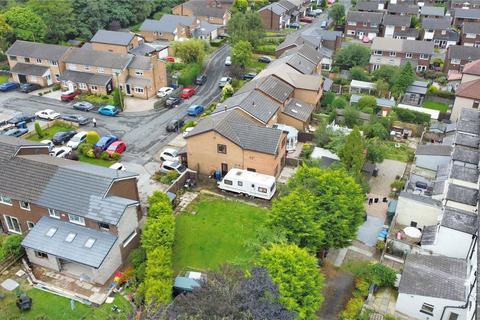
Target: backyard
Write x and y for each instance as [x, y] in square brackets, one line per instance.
[255, 65]
[213, 231]
[442, 107]
[397, 151]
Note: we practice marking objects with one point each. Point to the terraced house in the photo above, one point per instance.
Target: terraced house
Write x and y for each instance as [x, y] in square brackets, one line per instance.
[77, 219]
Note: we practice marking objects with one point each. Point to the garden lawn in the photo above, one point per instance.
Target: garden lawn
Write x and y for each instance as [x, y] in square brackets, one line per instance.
[97, 162]
[402, 153]
[442, 107]
[220, 231]
[50, 132]
[255, 65]
[3, 78]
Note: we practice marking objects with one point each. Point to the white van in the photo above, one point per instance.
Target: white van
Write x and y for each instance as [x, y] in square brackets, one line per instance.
[249, 183]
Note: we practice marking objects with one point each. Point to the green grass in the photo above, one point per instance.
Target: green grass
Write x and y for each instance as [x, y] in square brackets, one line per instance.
[50, 132]
[3, 78]
[97, 162]
[255, 65]
[402, 153]
[442, 107]
[218, 232]
[52, 307]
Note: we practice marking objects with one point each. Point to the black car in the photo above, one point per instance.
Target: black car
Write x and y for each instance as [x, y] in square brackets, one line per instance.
[249, 76]
[294, 25]
[83, 106]
[62, 137]
[172, 102]
[265, 59]
[175, 125]
[201, 79]
[29, 87]
[76, 118]
[17, 119]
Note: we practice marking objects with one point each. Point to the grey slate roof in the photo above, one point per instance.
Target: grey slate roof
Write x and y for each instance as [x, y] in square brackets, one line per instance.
[467, 155]
[367, 6]
[301, 64]
[113, 37]
[137, 81]
[143, 49]
[37, 50]
[402, 45]
[275, 8]
[167, 23]
[434, 150]
[467, 13]
[432, 11]
[469, 121]
[429, 235]
[201, 8]
[460, 220]
[464, 173]
[462, 194]
[276, 88]
[242, 131]
[29, 69]
[434, 276]
[402, 8]
[96, 58]
[362, 16]
[420, 198]
[75, 251]
[396, 20]
[463, 52]
[259, 106]
[141, 63]
[467, 140]
[471, 27]
[85, 77]
[298, 109]
[436, 23]
[287, 4]
[205, 29]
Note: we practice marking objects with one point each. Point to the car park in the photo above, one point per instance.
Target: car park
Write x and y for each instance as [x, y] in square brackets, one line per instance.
[118, 166]
[104, 142]
[21, 118]
[187, 93]
[174, 125]
[81, 120]
[47, 114]
[69, 95]
[16, 132]
[83, 106]
[228, 61]
[195, 110]
[77, 139]
[249, 75]
[108, 110]
[265, 59]
[8, 86]
[49, 143]
[224, 81]
[61, 152]
[169, 154]
[116, 147]
[168, 166]
[62, 137]
[165, 91]
[29, 87]
[172, 102]
[201, 80]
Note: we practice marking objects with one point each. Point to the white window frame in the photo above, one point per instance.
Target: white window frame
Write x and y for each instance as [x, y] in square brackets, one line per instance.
[377, 52]
[53, 63]
[392, 54]
[76, 219]
[82, 86]
[57, 77]
[139, 72]
[39, 60]
[408, 55]
[455, 61]
[421, 68]
[3, 200]
[351, 23]
[30, 225]
[139, 90]
[424, 56]
[425, 306]
[129, 239]
[53, 213]
[27, 207]
[100, 70]
[19, 231]
[404, 28]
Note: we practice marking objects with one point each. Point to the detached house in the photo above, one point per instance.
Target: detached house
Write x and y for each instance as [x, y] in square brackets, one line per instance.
[470, 34]
[398, 27]
[439, 30]
[169, 28]
[461, 16]
[77, 218]
[359, 24]
[115, 41]
[458, 56]
[274, 16]
[211, 11]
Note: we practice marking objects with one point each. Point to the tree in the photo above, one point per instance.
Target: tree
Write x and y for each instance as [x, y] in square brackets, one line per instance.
[405, 78]
[158, 275]
[339, 103]
[245, 26]
[296, 273]
[117, 98]
[375, 152]
[227, 92]
[242, 53]
[367, 102]
[352, 55]
[159, 231]
[352, 153]
[327, 99]
[241, 5]
[376, 130]
[190, 51]
[92, 137]
[5, 30]
[382, 87]
[351, 117]
[386, 73]
[26, 24]
[359, 73]
[337, 13]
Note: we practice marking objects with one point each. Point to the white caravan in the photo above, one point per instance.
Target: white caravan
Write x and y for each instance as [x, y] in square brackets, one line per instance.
[249, 183]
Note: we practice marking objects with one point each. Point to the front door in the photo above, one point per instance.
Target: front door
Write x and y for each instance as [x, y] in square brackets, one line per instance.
[224, 169]
[127, 89]
[22, 78]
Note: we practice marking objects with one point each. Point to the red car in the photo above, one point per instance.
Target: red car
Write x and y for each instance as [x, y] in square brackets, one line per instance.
[69, 95]
[187, 93]
[170, 59]
[306, 19]
[116, 147]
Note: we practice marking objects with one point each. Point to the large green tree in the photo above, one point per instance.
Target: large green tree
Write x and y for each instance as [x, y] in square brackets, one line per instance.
[190, 51]
[352, 55]
[337, 13]
[5, 30]
[296, 273]
[240, 5]
[405, 78]
[242, 53]
[26, 24]
[352, 153]
[245, 26]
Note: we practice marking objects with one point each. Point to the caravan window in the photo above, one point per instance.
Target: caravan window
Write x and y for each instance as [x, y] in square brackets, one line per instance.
[229, 182]
[240, 183]
[262, 190]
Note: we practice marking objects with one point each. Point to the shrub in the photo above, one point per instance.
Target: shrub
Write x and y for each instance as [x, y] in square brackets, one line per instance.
[11, 245]
[92, 137]
[411, 116]
[327, 99]
[307, 150]
[116, 156]
[398, 184]
[90, 154]
[339, 103]
[38, 130]
[189, 73]
[56, 87]
[84, 148]
[353, 309]
[104, 156]
[188, 124]
[117, 98]
[169, 177]
[361, 288]
[227, 92]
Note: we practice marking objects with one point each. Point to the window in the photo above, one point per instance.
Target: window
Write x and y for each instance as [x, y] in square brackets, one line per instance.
[51, 232]
[130, 238]
[444, 31]
[404, 28]
[262, 190]
[455, 61]
[104, 226]
[365, 24]
[54, 213]
[30, 225]
[373, 25]
[70, 237]
[139, 72]
[100, 70]
[12, 224]
[221, 148]
[424, 56]
[76, 219]
[89, 243]
[475, 104]
[25, 205]
[240, 183]
[41, 255]
[453, 316]
[351, 23]
[82, 86]
[427, 309]
[39, 60]
[53, 63]
[421, 68]
[351, 32]
[378, 52]
[26, 59]
[5, 200]
[138, 89]
[94, 87]
[57, 77]
[393, 54]
[228, 182]
[13, 58]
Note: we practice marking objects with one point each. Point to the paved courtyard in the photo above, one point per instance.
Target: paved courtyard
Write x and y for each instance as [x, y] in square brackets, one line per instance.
[367, 233]
[388, 171]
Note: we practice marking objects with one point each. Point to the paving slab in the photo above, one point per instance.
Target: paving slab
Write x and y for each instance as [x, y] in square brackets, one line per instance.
[10, 285]
[368, 231]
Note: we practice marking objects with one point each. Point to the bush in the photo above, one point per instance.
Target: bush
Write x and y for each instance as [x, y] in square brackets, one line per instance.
[189, 73]
[411, 116]
[38, 130]
[327, 99]
[116, 156]
[11, 245]
[104, 156]
[361, 288]
[95, 99]
[339, 103]
[92, 137]
[56, 87]
[84, 148]
[169, 177]
[90, 154]
[353, 309]
[188, 124]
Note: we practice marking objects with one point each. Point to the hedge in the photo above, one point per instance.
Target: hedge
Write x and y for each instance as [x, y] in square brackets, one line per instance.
[95, 99]
[411, 116]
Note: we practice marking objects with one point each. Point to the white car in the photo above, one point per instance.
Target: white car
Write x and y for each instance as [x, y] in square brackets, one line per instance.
[169, 154]
[224, 81]
[187, 130]
[47, 114]
[49, 143]
[118, 166]
[61, 152]
[228, 61]
[165, 91]
[168, 166]
[77, 139]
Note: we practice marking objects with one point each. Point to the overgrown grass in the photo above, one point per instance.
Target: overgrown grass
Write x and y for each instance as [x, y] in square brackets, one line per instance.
[3, 78]
[442, 107]
[255, 65]
[397, 151]
[50, 132]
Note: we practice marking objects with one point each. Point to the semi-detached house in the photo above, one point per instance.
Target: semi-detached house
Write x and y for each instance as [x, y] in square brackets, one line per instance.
[359, 24]
[439, 30]
[398, 27]
[470, 34]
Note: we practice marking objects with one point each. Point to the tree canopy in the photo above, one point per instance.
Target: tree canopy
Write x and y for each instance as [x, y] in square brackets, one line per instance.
[337, 13]
[26, 24]
[352, 55]
[405, 78]
[352, 153]
[245, 26]
[242, 53]
[190, 51]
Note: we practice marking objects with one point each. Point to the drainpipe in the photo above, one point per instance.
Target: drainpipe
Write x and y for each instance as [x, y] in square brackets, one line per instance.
[466, 303]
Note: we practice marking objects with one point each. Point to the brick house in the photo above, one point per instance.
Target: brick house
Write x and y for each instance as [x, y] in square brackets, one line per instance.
[77, 218]
[398, 27]
[403, 9]
[470, 34]
[458, 56]
[212, 11]
[467, 94]
[370, 6]
[396, 52]
[169, 28]
[324, 41]
[274, 16]
[461, 16]
[115, 41]
[439, 30]
[291, 13]
[465, 4]
[359, 24]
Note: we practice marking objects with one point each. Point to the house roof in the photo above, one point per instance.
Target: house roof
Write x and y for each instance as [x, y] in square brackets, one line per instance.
[432, 11]
[287, 4]
[402, 45]
[396, 20]
[293, 77]
[276, 8]
[467, 155]
[469, 89]
[301, 64]
[29, 69]
[469, 121]
[402, 8]
[276, 88]
[420, 198]
[471, 27]
[143, 49]
[37, 50]
[443, 23]
[466, 13]
[298, 109]
[467, 140]
[472, 68]
[462, 194]
[167, 23]
[85, 77]
[201, 8]
[76, 251]
[419, 87]
[141, 63]
[205, 28]
[242, 131]
[434, 276]
[429, 235]
[433, 150]
[363, 16]
[113, 37]
[367, 6]
[464, 173]
[306, 51]
[96, 58]
[463, 53]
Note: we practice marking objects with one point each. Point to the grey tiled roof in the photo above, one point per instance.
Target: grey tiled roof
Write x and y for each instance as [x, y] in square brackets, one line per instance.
[362, 16]
[259, 106]
[469, 121]
[141, 63]
[143, 49]
[429, 235]
[434, 150]
[467, 155]
[432, 11]
[467, 13]
[464, 173]
[462, 52]
[436, 23]
[96, 58]
[467, 140]
[275, 8]
[298, 109]
[29, 69]
[306, 51]
[462, 194]
[113, 37]
[37, 50]
[276, 88]
[460, 220]
[301, 64]
[142, 82]
[287, 4]
[242, 131]
[420, 198]
[201, 8]
[402, 8]
[367, 6]
[434, 276]
[75, 251]
[167, 23]
[471, 27]
[396, 20]
[85, 77]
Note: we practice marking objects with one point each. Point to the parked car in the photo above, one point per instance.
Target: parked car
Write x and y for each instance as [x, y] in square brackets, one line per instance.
[294, 25]
[324, 24]
[172, 102]
[69, 95]
[77, 139]
[169, 154]
[187, 131]
[47, 114]
[29, 87]
[165, 91]
[195, 110]
[223, 81]
[312, 14]
[61, 152]
[63, 136]
[265, 59]
[21, 118]
[104, 142]
[201, 80]
[187, 93]
[118, 166]
[116, 147]
[365, 39]
[168, 166]
[306, 19]
[81, 120]
[8, 86]
[16, 132]
[175, 125]
[49, 143]
[249, 75]
[108, 110]
[228, 61]
[83, 106]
